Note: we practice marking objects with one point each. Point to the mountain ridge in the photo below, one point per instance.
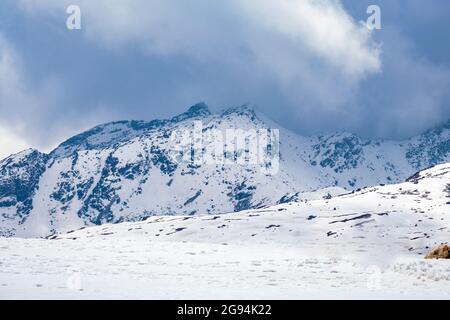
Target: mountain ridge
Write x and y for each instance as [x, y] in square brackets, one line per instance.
[202, 108]
[124, 171]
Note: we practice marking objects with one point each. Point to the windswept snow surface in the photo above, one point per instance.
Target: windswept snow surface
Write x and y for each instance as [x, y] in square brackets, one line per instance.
[365, 244]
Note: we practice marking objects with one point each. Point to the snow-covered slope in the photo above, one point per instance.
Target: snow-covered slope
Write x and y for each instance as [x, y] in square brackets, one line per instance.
[365, 244]
[406, 217]
[125, 171]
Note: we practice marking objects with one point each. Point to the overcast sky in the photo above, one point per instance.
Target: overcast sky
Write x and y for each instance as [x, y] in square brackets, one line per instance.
[313, 66]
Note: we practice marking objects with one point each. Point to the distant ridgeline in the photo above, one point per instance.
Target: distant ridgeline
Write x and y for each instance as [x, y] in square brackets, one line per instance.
[125, 171]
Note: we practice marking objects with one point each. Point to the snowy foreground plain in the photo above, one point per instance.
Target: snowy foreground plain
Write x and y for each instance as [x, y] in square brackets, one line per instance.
[368, 244]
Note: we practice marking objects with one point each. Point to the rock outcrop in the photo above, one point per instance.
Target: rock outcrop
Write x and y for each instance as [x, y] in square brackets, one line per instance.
[441, 252]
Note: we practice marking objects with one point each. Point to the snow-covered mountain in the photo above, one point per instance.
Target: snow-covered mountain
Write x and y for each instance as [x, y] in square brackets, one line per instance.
[126, 171]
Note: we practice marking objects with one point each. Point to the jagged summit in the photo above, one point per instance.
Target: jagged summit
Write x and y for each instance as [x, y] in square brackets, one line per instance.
[243, 110]
[116, 132]
[196, 111]
[22, 154]
[199, 109]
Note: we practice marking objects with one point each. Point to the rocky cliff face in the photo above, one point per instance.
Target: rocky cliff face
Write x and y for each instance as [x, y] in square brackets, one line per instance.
[19, 181]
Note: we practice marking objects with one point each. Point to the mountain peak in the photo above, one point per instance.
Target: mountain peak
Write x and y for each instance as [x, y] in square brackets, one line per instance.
[243, 110]
[200, 108]
[21, 155]
[197, 110]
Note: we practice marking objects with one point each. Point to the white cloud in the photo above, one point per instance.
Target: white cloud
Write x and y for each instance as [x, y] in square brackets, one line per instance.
[301, 48]
[10, 93]
[9, 72]
[11, 143]
[23, 105]
[323, 27]
[307, 61]
[224, 29]
[200, 28]
[410, 97]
